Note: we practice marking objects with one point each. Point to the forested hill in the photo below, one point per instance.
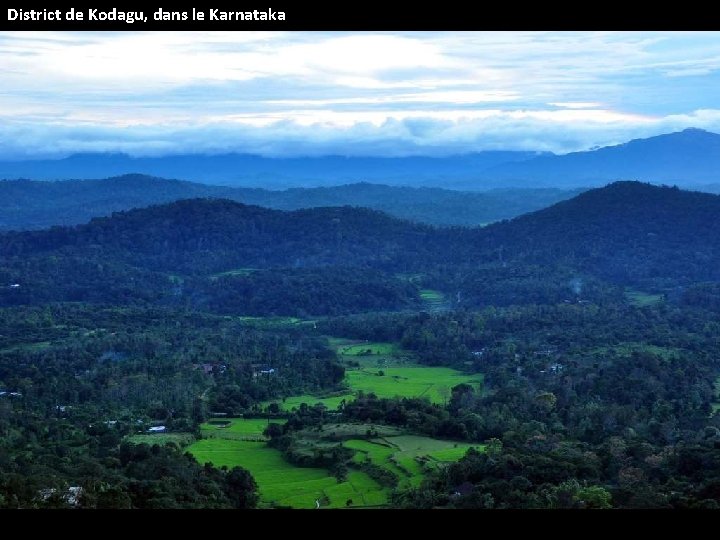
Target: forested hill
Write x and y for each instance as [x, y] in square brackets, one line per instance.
[28, 205]
[205, 251]
[626, 231]
[626, 228]
[213, 235]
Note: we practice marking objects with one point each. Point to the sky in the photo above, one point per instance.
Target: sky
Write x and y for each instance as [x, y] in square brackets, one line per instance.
[367, 93]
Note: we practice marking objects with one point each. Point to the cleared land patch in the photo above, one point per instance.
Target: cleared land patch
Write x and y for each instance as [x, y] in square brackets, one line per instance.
[387, 371]
[408, 457]
[237, 428]
[181, 439]
[281, 483]
[642, 299]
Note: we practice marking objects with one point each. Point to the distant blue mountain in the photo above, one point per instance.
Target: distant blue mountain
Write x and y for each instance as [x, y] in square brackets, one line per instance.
[689, 158]
[273, 173]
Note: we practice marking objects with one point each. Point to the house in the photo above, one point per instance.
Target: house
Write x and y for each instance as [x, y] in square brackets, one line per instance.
[464, 489]
[71, 496]
[209, 369]
[262, 370]
[157, 429]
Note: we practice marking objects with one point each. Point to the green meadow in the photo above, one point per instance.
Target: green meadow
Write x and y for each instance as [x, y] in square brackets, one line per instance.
[387, 371]
[237, 428]
[435, 300]
[641, 299]
[435, 383]
[181, 439]
[408, 457]
[281, 483]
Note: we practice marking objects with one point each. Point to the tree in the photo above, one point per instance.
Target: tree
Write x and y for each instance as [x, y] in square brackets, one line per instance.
[595, 497]
[241, 488]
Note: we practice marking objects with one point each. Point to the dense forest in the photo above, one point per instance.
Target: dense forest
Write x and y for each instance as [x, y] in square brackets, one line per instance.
[592, 325]
[189, 252]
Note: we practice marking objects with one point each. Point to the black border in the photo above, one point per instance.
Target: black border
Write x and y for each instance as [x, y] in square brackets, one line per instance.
[466, 16]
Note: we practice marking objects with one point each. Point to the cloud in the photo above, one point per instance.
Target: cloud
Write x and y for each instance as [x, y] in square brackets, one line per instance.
[411, 133]
[577, 105]
[350, 93]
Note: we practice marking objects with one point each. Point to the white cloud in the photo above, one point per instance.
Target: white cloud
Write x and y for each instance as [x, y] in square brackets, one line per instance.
[577, 105]
[298, 92]
[314, 132]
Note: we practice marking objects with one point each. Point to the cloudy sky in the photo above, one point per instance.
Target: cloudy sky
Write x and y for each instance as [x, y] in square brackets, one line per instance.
[370, 93]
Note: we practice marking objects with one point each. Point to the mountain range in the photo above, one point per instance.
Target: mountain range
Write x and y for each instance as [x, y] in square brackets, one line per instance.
[265, 172]
[199, 251]
[689, 159]
[26, 204]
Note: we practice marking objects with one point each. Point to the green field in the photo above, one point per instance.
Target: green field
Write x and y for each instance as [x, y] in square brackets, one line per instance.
[387, 371]
[283, 484]
[241, 272]
[435, 300]
[367, 349]
[272, 322]
[237, 428]
[641, 299]
[280, 483]
[294, 402]
[430, 295]
[435, 383]
[181, 439]
[370, 353]
[408, 457]
[344, 431]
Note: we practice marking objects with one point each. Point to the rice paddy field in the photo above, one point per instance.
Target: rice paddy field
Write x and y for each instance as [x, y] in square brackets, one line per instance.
[642, 299]
[237, 428]
[434, 383]
[435, 300]
[387, 371]
[381, 368]
[280, 483]
[409, 457]
[181, 439]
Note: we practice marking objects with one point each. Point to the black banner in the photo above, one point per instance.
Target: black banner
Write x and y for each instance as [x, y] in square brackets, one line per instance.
[442, 16]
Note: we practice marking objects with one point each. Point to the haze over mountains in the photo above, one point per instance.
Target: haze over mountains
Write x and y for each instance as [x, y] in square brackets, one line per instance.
[26, 204]
[272, 173]
[690, 158]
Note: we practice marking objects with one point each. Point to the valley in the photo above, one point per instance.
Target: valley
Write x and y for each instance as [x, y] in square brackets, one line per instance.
[340, 358]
